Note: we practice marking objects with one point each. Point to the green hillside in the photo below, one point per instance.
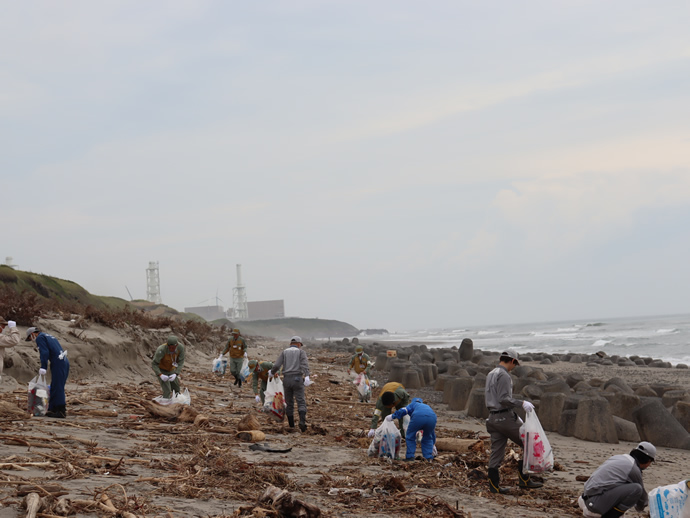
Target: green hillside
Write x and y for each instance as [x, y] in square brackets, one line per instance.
[284, 328]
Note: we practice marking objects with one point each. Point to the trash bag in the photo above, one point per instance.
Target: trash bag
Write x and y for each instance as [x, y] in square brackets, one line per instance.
[219, 365]
[38, 396]
[670, 501]
[244, 371]
[538, 455]
[183, 398]
[363, 386]
[274, 398]
[386, 442]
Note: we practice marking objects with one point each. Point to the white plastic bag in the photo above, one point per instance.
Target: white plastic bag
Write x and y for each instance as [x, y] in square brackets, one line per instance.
[183, 398]
[670, 501]
[363, 386]
[538, 455]
[38, 396]
[274, 398]
[219, 365]
[244, 371]
[388, 439]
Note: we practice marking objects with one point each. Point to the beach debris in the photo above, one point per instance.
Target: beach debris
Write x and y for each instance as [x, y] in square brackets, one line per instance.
[287, 505]
[248, 422]
[264, 447]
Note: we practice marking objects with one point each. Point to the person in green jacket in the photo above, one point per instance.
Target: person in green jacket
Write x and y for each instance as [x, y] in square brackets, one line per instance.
[167, 363]
[261, 372]
[360, 362]
[393, 394]
[237, 348]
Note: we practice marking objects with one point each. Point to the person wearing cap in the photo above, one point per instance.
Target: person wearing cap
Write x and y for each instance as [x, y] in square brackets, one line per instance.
[49, 349]
[7, 339]
[238, 352]
[294, 362]
[503, 423]
[393, 394]
[261, 371]
[617, 485]
[360, 361]
[423, 418]
[167, 363]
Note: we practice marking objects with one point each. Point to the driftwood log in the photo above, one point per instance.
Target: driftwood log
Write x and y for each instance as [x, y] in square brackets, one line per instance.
[33, 504]
[248, 422]
[251, 436]
[165, 411]
[458, 445]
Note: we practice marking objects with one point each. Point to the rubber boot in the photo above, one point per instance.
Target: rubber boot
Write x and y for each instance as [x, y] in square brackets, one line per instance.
[613, 513]
[239, 384]
[291, 421]
[303, 421]
[525, 481]
[495, 482]
[236, 380]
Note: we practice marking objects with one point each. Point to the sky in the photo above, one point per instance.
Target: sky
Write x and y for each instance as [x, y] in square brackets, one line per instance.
[393, 164]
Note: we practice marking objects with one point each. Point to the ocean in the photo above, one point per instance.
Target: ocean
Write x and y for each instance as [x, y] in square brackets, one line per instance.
[663, 337]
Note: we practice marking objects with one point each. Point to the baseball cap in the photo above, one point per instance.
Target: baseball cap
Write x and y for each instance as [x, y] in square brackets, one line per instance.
[647, 448]
[295, 339]
[511, 353]
[30, 331]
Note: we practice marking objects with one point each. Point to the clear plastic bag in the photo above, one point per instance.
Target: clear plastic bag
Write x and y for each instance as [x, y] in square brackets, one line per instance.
[363, 386]
[38, 396]
[244, 371]
[219, 365]
[386, 441]
[538, 455]
[274, 398]
[183, 398]
[670, 501]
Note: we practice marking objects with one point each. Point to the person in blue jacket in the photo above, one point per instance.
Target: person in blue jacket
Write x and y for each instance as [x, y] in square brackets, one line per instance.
[51, 350]
[423, 418]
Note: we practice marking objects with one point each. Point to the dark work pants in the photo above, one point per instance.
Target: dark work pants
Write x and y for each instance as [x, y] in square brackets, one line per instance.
[502, 427]
[623, 497]
[294, 389]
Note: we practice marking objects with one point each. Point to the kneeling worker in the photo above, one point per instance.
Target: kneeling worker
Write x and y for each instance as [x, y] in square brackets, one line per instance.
[393, 394]
[617, 484]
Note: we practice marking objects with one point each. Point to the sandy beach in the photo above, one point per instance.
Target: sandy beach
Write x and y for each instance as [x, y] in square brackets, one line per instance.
[150, 466]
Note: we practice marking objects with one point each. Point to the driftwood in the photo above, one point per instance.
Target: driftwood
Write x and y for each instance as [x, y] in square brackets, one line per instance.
[95, 412]
[458, 445]
[201, 421]
[166, 411]
[251, 436]
[33, 504]
[248, 422]
[287, 505]
[209, 389]
[10, 411]
[188, 415]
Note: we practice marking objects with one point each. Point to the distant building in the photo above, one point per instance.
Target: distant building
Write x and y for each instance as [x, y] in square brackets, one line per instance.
[265, 309]
[209, 313]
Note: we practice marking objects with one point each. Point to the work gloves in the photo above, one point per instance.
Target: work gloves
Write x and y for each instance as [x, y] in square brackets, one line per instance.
[165, 377]
[527, 406]
[42, 372]
[11, 324]
[172, 377]
[307, 381]
[245, 355]
[371, 433]
[258, 399]
[389, 418]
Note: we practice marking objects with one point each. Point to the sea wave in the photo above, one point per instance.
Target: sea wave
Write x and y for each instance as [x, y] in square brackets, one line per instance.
[667, 331]
[601, 343]
[482, 333]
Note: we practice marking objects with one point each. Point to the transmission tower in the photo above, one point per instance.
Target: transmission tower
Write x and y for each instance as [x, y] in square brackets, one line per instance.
[239, 298]
[153, 283]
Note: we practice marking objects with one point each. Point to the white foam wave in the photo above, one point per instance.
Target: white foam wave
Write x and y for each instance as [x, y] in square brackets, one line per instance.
[601, 343]
[667, 331]
[480, 333]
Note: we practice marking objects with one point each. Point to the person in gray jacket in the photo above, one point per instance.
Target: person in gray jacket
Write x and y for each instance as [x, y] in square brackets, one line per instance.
[503, 423]
[294, 362]
[617, 485]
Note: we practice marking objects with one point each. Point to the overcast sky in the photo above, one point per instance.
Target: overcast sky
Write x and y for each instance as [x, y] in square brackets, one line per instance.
[396, 164]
